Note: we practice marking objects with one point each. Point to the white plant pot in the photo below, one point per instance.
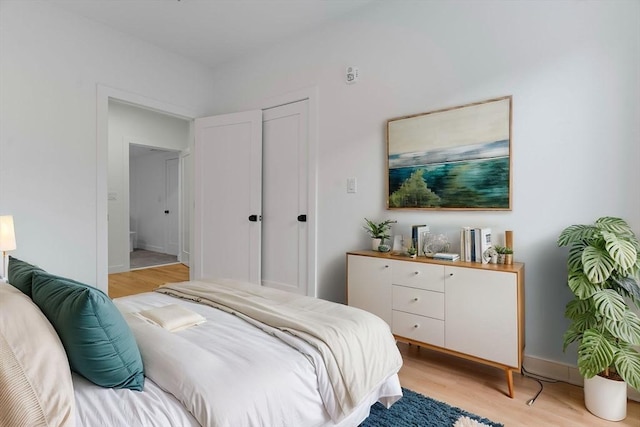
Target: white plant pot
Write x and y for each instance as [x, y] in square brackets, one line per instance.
[606, 398]
[375, 243]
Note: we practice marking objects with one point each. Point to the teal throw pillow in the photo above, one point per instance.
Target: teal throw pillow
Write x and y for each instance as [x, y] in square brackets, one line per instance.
[98, 341]
[20, 274]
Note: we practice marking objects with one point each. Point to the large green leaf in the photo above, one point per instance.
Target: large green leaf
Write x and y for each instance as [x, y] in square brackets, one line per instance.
[581, 286]
[595, 353]
[574, 262]
[577, 233]
[570, 335]
[582, 323]
[631, 285]
[621, 250]
[597, 263]
[587, 321]
[627, 328]
[610, 304]
[614, 225]
[578, 307]
[627, 363]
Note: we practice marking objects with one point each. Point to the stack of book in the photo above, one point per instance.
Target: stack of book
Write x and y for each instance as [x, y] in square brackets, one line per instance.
[473, 244]
[446, 256]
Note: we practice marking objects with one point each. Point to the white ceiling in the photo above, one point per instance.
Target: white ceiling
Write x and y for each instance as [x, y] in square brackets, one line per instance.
[212, 32]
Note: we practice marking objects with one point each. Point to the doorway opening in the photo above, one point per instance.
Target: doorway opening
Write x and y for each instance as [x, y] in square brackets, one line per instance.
[154, 208]
[146, 181]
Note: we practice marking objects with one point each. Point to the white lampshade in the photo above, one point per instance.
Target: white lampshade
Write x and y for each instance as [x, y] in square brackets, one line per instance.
[7, 233]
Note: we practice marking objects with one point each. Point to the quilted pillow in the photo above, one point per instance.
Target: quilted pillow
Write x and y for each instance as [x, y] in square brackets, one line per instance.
[98, 341]
[35, 380]
[20, 274]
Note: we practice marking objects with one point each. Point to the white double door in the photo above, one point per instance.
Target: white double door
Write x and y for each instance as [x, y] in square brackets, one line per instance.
[251, 208]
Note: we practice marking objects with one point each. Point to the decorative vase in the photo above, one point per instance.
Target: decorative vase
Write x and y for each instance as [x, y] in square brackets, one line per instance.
[508, 259]
[375, 243]
[494, 259]
[606, 398]
[501, 258]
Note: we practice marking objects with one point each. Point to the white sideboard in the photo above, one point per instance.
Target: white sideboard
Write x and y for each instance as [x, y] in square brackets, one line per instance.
[471, 310]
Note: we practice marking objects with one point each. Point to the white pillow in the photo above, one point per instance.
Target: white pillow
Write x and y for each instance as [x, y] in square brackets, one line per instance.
[35, 378]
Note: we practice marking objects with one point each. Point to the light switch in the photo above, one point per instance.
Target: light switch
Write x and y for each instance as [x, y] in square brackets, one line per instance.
[352, 185]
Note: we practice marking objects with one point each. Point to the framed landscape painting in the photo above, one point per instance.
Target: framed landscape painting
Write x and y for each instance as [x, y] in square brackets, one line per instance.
[453, 159]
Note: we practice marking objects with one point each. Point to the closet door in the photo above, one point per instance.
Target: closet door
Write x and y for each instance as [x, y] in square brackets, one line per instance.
[285, 184]
[228, 194]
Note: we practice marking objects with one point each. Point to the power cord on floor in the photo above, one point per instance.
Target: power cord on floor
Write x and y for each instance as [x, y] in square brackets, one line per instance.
[532, 400]
[540, 379]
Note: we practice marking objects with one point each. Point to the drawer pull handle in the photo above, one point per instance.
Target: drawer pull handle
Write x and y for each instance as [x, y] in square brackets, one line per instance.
[416, 273]
[416, 326]
[416, 299]
[386, 266]
[450, 274]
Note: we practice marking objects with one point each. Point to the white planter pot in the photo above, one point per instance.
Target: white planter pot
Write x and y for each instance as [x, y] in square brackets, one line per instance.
[606, 398]
[375, 243]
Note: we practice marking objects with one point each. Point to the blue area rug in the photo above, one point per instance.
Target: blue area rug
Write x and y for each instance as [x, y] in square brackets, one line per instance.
[416, 410]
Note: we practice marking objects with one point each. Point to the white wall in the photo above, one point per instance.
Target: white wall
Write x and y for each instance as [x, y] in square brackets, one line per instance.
[51, 64]
[129, 124]
[572, 68]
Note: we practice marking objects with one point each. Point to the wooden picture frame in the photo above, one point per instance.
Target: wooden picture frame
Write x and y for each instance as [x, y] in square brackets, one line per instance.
[457, 158]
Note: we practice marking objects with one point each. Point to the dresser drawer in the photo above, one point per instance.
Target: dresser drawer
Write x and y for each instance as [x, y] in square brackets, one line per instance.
[418, 328]
[418, 301]
[418, 275]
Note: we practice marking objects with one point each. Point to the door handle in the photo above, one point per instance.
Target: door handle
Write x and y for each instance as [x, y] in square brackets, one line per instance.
[254, 218]
[302, 218]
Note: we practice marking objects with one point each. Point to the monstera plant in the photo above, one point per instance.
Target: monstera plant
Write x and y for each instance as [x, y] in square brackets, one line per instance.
[604, 276]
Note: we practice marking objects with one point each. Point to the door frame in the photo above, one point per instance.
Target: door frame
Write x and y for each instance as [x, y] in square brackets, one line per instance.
[186, 206]
[103, 94]
[167, 239]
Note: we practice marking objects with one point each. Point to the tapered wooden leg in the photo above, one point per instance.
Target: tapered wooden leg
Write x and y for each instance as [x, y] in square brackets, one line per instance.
[510, 382]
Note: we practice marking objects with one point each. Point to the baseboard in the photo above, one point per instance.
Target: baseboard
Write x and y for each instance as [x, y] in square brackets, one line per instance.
[117, 269]
[563, 372]
[152, 248]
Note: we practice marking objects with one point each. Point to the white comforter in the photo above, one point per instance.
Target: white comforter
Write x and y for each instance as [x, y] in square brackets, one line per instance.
[225, 372]
[357, 350]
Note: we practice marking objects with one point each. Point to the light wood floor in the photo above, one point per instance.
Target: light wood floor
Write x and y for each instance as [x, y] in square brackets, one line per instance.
[473, 387]
[482, 390]
[145, 280]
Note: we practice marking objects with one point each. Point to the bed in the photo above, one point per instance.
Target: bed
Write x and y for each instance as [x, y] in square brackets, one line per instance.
[245, 356]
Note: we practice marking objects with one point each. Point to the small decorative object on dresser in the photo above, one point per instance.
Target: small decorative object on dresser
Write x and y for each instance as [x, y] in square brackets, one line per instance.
[490, 255]
[412, 251]
[379, 231]
[604, 267]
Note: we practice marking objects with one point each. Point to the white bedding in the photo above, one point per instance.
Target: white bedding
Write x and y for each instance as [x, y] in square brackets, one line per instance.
[356, 349]
[109, 407]
[250, 378]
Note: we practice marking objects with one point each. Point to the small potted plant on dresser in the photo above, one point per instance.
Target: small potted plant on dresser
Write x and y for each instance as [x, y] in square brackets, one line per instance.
[379, 231]
[604, 275]
[412, 251]
[508, 255]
